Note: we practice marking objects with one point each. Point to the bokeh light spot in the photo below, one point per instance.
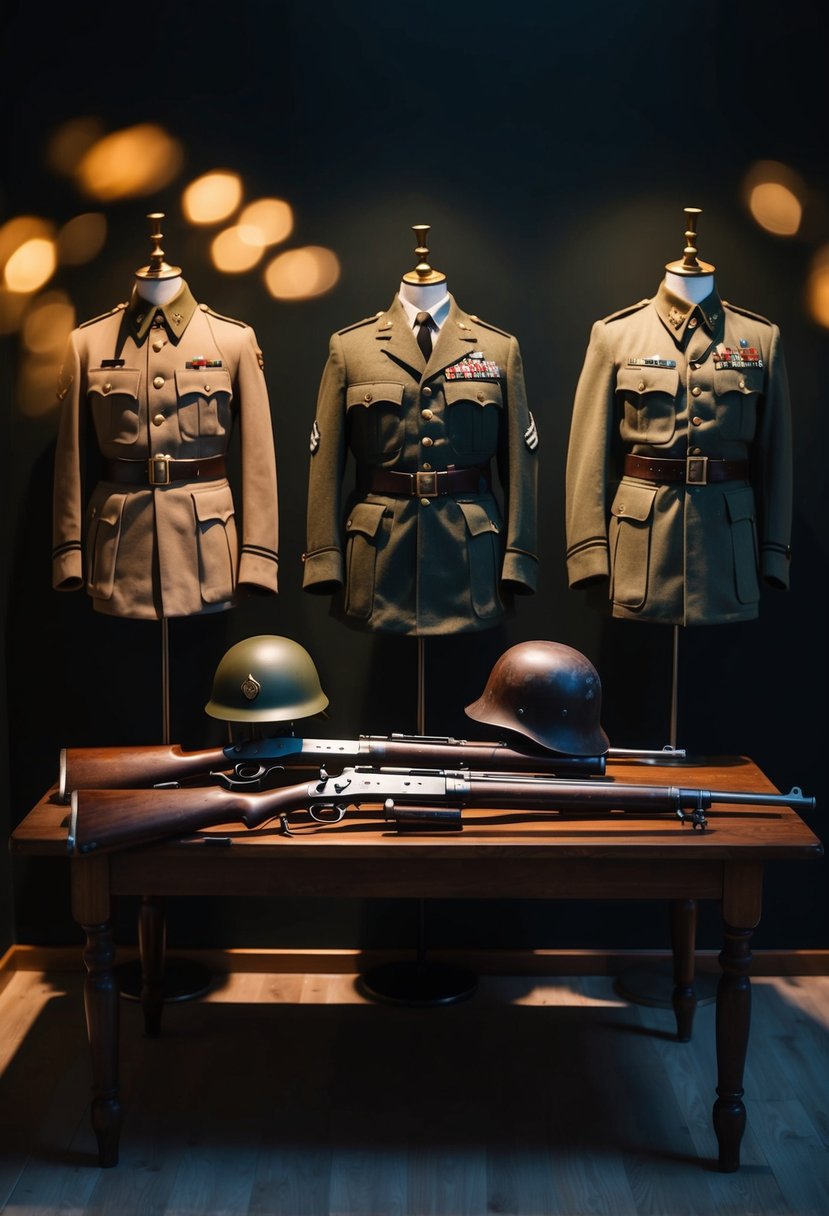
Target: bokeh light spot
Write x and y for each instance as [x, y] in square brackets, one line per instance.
[212, 197]
[271, 218]
[232, 254]
[82, 238]
[300, 274]
[134, 161]
[31, 265]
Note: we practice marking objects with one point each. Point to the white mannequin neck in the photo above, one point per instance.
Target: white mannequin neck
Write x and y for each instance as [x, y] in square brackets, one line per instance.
[423, 295]
[158, 291]
[692, 288]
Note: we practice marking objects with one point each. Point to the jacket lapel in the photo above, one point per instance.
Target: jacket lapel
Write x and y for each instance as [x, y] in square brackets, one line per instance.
[395, 338]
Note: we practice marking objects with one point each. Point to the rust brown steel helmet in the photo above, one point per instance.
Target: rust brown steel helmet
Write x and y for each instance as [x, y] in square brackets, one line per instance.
[266, 679]
[549, 693]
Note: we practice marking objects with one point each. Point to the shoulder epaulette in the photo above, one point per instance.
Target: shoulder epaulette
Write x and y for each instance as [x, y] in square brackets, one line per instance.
[103, 316]
[219, 316]
[375, 316]
[744, 312]
[488, 325]
[626, 312]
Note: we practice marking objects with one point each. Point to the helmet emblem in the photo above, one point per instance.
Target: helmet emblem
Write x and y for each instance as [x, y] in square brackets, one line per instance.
[251, 688]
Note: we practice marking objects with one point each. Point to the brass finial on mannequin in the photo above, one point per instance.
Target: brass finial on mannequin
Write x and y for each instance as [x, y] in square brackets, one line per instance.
[690, 265]
[157, 269]
[423, 273]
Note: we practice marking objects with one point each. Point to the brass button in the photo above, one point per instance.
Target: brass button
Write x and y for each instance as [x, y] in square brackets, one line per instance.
[696, 421]
[158, 382]
[427, 392]
[368, 397]
[742, 384]
[427, 468]
[424, 502]
[481, 396]
[696, 451]
[692, 324]
[207, 388]
[158, 420]
[427, 414]
[641, 385]
[696, 390]
[427, 441]
[158, 345]
[107, 388]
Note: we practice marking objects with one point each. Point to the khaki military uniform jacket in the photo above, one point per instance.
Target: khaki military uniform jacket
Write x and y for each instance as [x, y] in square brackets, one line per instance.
[166, 382]
[428, 550]
[693, 386]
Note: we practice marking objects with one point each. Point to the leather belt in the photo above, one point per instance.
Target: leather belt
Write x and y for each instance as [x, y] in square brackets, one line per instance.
[162, 470]
[472, 480]
[694, 470]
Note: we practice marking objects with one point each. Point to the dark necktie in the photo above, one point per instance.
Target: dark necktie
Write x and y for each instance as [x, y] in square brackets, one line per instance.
[424, 333]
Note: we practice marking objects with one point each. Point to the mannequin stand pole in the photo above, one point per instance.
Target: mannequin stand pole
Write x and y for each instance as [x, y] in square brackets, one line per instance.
[153, 979]
[418, 981]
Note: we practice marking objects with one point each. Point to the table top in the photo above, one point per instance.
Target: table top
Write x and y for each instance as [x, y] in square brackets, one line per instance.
[746, 832]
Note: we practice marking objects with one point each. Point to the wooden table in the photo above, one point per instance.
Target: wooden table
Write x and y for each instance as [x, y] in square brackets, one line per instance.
[498, 855]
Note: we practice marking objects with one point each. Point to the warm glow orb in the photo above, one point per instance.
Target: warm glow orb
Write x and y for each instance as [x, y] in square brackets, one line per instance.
[299, 274]
[211, 198]
[776, 208]
[232, 254]
[817, 288]
[48, 324]
[31, 265]
[134, 161]
[271, 218]
[82, 238]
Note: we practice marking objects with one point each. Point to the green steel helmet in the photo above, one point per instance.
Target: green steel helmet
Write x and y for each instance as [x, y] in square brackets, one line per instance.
[266, 679]
[547, 692]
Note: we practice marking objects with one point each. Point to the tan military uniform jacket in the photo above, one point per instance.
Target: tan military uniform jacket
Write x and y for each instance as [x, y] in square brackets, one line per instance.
[171, 381]
[698, 384]
[421, 560]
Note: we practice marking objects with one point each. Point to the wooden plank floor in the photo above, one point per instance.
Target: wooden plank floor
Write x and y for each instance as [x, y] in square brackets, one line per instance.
[290, 1094]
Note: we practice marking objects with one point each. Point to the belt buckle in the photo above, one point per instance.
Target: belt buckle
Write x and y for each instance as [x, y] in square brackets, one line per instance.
[158, 468]
[426, 485]
[696, 470]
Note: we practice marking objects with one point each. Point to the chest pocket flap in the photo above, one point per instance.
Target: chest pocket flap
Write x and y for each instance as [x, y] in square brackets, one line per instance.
[738, 380]
[484, 392]
[203, 382]
[477, 518]
[648, 380]
[107, 381]
[365, 517]
[370, 393]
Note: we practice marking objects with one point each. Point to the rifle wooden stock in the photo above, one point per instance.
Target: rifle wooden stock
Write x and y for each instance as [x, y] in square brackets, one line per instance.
[103, 820]
[83, 768]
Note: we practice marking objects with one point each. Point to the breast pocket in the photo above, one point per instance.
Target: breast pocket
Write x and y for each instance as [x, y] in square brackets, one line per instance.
[736, 394]
[473, 415]
[203, 402]
[112, 394]
[375, 420]
[646, 399]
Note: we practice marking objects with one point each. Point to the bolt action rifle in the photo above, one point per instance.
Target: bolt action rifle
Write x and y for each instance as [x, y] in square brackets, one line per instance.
[254, 763]
[414, 800]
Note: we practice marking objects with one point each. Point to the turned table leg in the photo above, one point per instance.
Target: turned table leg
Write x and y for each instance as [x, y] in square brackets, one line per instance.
[683, 937]
[91, 909]
[742, 901]
[151, 943]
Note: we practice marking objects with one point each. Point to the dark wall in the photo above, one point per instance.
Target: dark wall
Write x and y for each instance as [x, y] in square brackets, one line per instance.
[552, 148]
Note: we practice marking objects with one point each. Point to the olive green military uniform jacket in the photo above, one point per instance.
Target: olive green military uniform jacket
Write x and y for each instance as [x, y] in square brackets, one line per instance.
[681, 537]
[171, 381]
[432, 551]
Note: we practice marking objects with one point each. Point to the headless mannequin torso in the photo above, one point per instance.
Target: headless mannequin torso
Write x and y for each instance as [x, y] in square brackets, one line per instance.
[158, 291]
[693, 288]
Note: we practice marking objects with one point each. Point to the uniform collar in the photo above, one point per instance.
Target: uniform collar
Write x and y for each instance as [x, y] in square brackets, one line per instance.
[438, 314]
[176, 314]
[679, 315]
[457, 335]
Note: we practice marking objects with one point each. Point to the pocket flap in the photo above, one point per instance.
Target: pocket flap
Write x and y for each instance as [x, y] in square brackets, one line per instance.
[213, 504]
[477, 518]
[109, 381]
[738, 380]
[365, 517]
[481, 392]
[740, 504]
[368, 394]
[203, 382]
[648, 380]
[633, 502]
[112, 510]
